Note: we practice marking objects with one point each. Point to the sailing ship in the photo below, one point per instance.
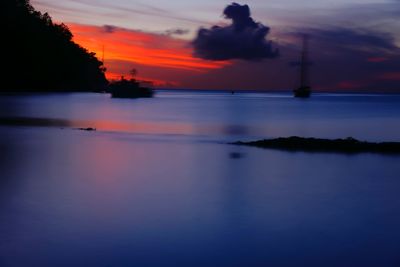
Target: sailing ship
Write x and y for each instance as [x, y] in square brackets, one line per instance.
[304, 89]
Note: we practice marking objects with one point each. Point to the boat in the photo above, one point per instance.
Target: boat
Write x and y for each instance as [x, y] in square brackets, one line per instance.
[303, 92]
[129, 89]
[304, 89]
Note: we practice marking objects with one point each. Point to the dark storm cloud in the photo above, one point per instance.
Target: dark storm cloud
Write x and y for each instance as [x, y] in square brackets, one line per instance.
[243, 39]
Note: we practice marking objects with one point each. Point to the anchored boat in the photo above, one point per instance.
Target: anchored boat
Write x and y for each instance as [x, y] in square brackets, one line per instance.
[129, 89]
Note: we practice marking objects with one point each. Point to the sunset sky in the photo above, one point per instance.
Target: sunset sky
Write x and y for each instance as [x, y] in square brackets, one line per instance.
[354, 43]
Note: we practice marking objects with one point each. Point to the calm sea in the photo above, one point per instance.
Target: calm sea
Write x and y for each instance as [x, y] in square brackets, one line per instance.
[157, 184]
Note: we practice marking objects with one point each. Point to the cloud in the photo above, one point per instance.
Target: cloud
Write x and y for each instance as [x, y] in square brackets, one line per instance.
[390, 76]
[243, 39]
[353, 59]
[355, 39]
[108, 10]
[346, 60]
[177, 31]
[154, 54]
[109, 28]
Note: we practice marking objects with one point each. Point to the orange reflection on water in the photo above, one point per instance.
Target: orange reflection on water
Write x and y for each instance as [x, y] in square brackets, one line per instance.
[137, 127]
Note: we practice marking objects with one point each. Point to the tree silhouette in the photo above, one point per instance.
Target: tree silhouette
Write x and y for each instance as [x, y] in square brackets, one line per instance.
[39, 55]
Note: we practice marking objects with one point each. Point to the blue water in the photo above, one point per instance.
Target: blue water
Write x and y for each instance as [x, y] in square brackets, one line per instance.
[157, 185]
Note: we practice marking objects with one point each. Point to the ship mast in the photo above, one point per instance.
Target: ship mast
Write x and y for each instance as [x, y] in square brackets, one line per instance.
[304, 63]
[304, 90]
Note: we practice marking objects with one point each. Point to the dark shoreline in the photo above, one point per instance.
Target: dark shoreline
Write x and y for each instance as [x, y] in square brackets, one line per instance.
[348, 145]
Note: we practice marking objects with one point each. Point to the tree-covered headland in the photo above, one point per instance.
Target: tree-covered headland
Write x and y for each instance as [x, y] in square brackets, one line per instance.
[39, 55]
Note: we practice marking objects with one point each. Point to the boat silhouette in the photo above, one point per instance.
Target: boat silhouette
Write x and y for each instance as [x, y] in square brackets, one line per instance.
[129, 89]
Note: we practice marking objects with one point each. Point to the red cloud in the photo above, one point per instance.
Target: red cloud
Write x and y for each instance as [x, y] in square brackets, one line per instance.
[350, 85]
[147, 49]
[390, 76]
[377, 59]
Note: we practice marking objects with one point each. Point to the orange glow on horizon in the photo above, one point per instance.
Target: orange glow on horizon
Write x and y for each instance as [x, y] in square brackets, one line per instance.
[156, 82]
[148, 49]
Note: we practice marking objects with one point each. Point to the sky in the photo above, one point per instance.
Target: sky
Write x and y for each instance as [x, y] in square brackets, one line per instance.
[354, 44]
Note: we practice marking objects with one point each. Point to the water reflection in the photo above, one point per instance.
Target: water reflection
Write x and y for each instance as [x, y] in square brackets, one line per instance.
[158, 128]
[113, 198]
[118, 202]
[213, 114]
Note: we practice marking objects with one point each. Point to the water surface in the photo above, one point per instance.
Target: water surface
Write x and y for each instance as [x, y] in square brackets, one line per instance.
[157, 185]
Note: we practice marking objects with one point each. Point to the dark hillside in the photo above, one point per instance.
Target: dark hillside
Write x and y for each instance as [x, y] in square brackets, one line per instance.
[39, 55]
